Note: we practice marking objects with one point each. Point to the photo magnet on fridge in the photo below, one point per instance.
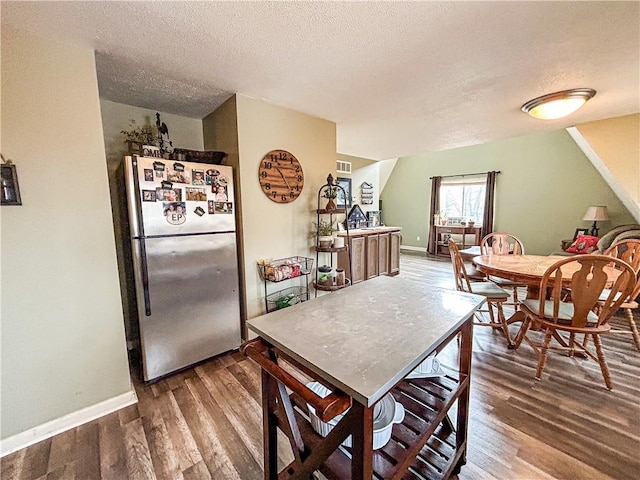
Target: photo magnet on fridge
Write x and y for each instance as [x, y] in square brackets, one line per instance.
[196, 195]
[178, 167]
[197, 177]
[221, 194]
[158, 166]
[175, 212]
[211, 207]
[169, 194]
[199, 211]
[148, 195]
[148, 175]
[211, 174]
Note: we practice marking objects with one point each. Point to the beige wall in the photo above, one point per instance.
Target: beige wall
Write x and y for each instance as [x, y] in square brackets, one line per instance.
[184, 133]
[616, 142]
[221, 133]
[63, 343]
[363, 170]
[273, 230]
[543, 191]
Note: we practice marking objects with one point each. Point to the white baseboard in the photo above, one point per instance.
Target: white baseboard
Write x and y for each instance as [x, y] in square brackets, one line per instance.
[413, 249]
[66, 422]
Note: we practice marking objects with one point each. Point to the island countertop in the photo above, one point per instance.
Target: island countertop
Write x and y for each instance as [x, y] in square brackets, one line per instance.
[360, 232]
[364, 339]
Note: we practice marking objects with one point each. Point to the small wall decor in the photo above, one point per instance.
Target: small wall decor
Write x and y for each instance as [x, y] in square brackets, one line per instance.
[9, 184]
[343, 201]
[366, 193]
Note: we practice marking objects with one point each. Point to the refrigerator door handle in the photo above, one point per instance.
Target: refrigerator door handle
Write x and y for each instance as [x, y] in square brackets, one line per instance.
[145, 277]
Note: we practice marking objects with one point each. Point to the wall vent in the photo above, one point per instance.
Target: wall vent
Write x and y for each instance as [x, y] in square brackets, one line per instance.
[343, 167]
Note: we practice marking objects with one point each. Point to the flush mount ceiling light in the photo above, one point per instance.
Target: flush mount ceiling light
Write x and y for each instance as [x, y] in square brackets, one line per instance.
[559, 104]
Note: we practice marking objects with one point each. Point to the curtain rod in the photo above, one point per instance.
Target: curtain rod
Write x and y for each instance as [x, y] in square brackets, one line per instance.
[462, 175]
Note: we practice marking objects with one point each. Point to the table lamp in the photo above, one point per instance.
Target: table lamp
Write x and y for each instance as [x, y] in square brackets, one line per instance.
[596, 214]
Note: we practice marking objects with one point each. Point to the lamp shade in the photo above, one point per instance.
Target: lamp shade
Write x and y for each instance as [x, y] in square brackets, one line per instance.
[596, 214]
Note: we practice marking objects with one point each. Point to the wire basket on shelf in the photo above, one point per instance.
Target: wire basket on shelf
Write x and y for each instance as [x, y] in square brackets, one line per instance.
[286, 298]
[284, 268]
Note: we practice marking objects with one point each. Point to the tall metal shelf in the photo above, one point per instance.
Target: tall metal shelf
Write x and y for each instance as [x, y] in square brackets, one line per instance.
[333, 213]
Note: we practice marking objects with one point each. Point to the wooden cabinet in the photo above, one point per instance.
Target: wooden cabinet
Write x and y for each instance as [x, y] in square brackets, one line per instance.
[372, 255]
[358, 260]
[395, 239]
[383, 253]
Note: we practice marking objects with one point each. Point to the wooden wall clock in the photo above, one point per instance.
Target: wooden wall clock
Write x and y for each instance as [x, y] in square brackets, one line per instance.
[281, 177]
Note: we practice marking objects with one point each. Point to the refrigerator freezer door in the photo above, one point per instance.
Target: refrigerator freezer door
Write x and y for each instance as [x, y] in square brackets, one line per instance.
[193, 300]
[176, 197]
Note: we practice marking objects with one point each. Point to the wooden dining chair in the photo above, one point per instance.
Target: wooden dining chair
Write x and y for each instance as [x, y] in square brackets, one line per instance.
[501, 243]
[495, 295]
[629, 251]
[576, 316]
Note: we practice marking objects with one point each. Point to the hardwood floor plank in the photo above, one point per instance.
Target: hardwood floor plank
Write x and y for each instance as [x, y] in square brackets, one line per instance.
[88, 451]
[11, 465]
[128, 414]
[201, 426]
[138, 457]
[197, 471]
[161, 448]
[65, 472]
[238, 452]
[62, 450]
[184, 445]
[113, 464]
[241, 410]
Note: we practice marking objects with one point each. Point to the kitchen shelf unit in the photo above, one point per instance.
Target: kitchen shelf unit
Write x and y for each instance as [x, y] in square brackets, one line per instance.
[331, 212]
[424, 445]
[281, 270]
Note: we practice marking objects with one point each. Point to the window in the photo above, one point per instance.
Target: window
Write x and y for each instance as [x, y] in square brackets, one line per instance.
[462, 199]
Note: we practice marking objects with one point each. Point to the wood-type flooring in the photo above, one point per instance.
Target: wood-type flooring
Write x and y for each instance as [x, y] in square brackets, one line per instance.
[206, 421]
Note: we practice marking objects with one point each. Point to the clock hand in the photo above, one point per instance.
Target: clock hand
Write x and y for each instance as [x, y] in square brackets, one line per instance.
[283, 177]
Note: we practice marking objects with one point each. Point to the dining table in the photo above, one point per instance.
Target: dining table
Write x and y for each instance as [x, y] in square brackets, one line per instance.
[364, 343]
[528, 270]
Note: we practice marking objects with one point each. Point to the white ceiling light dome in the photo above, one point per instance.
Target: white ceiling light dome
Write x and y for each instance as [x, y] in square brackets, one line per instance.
[558, 104]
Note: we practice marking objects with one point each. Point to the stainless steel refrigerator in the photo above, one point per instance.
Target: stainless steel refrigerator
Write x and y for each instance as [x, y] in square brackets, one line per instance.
[182, 222]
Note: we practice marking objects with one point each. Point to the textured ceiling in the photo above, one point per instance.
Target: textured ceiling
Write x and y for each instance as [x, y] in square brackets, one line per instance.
[398, 78]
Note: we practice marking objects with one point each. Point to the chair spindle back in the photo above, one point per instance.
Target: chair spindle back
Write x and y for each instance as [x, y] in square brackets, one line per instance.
[587, 284]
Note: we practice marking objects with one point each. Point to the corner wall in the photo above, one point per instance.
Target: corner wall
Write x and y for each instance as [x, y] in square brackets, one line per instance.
[63, 342]
[271, 230]
[614, 149]
[545, 187]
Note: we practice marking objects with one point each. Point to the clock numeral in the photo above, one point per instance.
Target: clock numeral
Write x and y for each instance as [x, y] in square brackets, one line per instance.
[267, 186]
[297, 188]
[299, 177]
[267, 164]
[297, 168]
[273, 157]
[284, 198]
[291, 194]
[274, 194]
[263, 174]
[283, 156]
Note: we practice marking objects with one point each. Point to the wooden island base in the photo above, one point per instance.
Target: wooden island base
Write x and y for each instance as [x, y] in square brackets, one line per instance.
[427, 444]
